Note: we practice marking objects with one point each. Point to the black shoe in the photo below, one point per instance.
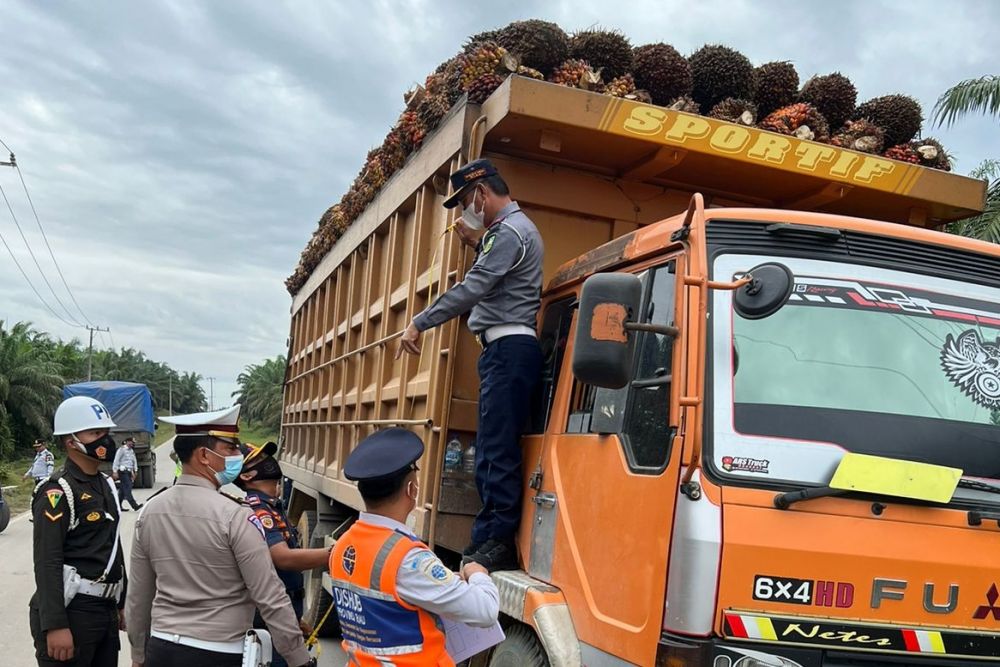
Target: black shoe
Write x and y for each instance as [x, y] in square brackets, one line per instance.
[124, 509]
[470, 551]
[138, 507]
[496, 555]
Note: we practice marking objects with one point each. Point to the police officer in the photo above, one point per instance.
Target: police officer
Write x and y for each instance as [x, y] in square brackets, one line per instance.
[390, 589]
[503, 292]
[77, 550]
[43, 463]
[200, 561]
[261, 479]
[123, 470]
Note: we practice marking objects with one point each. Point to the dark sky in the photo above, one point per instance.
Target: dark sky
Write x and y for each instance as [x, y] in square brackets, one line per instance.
[180, 153]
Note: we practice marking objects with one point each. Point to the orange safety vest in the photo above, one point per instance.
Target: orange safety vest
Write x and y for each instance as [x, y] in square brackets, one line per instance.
[379, 627]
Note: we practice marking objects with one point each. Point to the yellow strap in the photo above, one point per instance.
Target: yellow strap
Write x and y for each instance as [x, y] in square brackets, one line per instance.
[312, 641]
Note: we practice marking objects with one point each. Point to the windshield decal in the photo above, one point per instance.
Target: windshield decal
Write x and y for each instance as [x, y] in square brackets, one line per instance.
[974, 367]
[745, 464]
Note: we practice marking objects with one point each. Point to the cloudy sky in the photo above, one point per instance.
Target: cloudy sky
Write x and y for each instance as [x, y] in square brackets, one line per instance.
[179, 153]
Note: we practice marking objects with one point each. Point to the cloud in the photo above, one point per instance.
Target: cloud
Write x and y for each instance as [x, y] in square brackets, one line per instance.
[180, 153]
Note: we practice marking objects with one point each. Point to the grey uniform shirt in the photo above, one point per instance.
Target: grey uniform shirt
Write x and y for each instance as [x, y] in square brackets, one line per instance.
[42, 465]
[425, 582]
[124, 458]
[504, 285]
[201, 567]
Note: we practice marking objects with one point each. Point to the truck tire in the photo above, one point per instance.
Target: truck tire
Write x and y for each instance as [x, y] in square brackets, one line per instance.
[4, 516]
[143, 480]
[521, 648]
[317, 600]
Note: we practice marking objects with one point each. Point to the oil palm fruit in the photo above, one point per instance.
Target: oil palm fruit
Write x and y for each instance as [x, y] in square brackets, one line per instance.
[932, 153]
[743, 112]
[899, 115]
[860, 135]
[903, 153]
[801, 120]
[661, 70]
[833, 95]
[776, 84]
[540, 45]
[608, 51]
[483, 87]
[719, 72]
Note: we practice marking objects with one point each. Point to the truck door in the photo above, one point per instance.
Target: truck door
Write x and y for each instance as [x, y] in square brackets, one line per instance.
[610, 474]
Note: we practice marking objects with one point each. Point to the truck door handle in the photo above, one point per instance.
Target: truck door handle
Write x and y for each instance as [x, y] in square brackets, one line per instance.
[544, 499]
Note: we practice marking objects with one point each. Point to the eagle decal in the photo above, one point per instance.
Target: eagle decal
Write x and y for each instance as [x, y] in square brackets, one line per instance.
[974, 367]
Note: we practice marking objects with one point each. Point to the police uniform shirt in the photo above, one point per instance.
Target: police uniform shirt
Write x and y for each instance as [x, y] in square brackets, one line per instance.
[200, 567]
[504, 285]
[87, 547]
[276, 530]
[425, 582]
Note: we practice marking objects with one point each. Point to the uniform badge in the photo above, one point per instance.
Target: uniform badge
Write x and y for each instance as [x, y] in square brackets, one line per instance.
[85, 496]
[94, 516]
[488, 244]
[267, 522]
[101, 452]
[53, 517]
[253, 500]
[54, 496]
[349, 559]
[255, 522]
[432, 568]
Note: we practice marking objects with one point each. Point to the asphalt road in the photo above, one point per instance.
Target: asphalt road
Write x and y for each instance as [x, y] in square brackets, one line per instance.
[17, 582]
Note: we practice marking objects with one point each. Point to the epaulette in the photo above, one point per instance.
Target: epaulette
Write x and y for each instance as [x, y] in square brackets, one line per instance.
[236, 499]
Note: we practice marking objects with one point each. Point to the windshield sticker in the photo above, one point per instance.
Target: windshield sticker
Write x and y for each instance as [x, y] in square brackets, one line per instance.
[745, 464]
[974, 367]
[855, 295]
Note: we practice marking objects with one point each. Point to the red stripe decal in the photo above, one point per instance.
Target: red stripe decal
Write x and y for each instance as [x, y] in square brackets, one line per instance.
[910, 637]
[860, 301]
[736, 626]
[988, 320]
[955, 316]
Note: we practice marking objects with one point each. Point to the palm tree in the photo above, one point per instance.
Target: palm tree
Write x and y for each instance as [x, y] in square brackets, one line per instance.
[970, 96]
[986, 225]
[30, 385]
[260, 392]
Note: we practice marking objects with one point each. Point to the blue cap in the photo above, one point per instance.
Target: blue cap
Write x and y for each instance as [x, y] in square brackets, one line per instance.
[467, 176]
[383, 454]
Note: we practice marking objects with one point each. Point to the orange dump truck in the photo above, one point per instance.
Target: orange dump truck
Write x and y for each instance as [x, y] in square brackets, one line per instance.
[766, 433]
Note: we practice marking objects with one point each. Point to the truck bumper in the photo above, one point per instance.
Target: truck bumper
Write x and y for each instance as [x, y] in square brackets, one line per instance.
[675, 651]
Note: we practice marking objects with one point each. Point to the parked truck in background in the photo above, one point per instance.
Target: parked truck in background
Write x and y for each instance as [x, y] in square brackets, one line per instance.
[131, 407]
[651, 533]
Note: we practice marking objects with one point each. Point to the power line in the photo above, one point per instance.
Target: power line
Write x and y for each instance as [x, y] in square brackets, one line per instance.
[32, 286]
[35, 259]
[46, 239]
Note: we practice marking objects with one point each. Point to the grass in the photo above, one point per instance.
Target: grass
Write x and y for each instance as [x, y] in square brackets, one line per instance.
[258, 434]
[163, 433]
[19, 499]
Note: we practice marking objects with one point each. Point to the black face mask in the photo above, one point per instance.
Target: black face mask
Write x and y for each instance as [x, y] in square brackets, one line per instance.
[267, 470]
[102, 449]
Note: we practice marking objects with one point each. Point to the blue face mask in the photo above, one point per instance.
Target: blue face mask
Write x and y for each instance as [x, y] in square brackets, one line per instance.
[234, 465]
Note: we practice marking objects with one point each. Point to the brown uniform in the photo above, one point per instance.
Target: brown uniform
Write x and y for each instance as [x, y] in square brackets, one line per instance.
[199, 568]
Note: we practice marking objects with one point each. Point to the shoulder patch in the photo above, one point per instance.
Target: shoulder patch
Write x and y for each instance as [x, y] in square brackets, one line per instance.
[85, 496]
[235, 499]
[252, 500]
[54, 496]
[431, 567]
[266, 519]
[488, 243]
[255, 522]
[94, 516]
[53, 517]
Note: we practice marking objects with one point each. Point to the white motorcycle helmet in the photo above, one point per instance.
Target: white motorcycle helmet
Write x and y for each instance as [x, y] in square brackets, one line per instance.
[81, 413]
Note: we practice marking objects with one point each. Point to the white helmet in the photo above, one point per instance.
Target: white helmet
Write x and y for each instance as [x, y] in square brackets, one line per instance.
[81, 413]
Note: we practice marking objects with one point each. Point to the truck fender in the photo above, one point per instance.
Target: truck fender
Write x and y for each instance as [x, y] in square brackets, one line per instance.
[544, 608]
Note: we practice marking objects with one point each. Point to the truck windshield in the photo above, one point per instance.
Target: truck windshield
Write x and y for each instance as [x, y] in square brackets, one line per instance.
[863, 360]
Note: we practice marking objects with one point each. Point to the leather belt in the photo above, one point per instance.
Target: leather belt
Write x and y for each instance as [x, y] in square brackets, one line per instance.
[233, 647]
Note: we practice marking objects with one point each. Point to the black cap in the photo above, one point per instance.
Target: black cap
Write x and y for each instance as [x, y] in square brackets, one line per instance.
[384, 453]
[467, 176]
[38, 443]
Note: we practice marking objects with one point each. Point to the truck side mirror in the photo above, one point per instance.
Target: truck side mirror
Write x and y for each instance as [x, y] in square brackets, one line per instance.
[767, 292]
[602, 349]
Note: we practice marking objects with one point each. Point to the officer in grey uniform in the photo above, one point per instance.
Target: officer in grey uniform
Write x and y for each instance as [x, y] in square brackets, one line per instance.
[203, 565]
[502, 294]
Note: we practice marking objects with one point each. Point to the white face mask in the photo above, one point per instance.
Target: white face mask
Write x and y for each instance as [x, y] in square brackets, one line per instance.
[472, 218]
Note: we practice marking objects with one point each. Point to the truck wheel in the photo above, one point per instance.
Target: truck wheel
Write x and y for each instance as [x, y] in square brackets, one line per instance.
[143, 478]
[521, 648]
[317, 600]
[4, 516]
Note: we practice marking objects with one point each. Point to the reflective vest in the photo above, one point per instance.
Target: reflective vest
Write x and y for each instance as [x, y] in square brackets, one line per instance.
[379, 628]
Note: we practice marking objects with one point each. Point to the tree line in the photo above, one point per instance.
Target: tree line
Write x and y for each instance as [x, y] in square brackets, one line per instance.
[34, 366]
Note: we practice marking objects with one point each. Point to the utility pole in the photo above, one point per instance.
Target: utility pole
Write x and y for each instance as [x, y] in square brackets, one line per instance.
[170, 393]
[90, 349]
[12, 163]
[211, 393]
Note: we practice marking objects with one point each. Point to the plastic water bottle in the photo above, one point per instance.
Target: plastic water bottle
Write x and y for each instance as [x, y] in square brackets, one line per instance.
[469, 459]
[453, 455]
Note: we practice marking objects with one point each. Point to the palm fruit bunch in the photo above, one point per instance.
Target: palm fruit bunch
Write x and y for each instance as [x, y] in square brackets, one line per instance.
[608, 51]
[452, 72]
[860, 135]
[833, 95]
[412, 131]
[932, 153]
[483, 87]
[374, 170]
[718, 72]
[742, 112]
[622, 86]
[530, 72]
[661, 70]
[684, 103]
[903, 153]
[800, 120]
[393, 155]
[540, 45]
[479, 39]
[577, 74]
[431, 109]
[900, 116]
[484, 58]
[776, 85]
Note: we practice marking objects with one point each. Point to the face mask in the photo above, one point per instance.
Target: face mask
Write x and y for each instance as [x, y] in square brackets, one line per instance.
[102, 449]
[234, 464]
[472, 218]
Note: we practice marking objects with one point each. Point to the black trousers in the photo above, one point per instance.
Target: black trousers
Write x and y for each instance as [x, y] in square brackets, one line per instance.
[126, 493]
[160, 653]
[94, 624]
